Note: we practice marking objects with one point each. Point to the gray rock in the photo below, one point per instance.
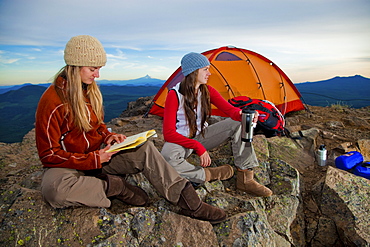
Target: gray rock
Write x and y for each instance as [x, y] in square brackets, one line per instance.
[311, 205]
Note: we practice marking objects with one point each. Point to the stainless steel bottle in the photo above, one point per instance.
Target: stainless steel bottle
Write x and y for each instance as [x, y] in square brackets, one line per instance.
[247, 125]
[321, 153]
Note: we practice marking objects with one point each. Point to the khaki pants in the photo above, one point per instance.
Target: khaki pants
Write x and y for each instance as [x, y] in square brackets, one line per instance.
[63, 187]
[215, 135]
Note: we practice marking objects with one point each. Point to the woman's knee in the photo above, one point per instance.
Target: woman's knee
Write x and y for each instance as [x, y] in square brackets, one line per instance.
[232, 124]
[166, 151]
[233, 127]
[148, 148]
[166, 154]
[54, 198]
[171, 151]
[56, 191]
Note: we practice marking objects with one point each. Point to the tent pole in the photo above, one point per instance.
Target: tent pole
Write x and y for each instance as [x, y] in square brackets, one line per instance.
[149, 107]
[284, 89]
[255, 71]
[227, 84]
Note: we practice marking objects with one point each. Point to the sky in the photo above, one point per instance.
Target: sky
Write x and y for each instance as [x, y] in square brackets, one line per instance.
[310, 40]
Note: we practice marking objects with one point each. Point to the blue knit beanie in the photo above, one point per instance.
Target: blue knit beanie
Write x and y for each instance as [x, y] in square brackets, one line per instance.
[193, 61]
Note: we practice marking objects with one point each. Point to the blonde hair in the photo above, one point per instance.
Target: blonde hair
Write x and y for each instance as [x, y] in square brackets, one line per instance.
[74, 98]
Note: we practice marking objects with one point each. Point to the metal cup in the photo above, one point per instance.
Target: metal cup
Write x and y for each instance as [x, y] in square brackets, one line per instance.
[247, 125]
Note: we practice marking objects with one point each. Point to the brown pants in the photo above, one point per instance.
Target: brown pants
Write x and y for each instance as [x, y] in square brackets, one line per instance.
[63, 187]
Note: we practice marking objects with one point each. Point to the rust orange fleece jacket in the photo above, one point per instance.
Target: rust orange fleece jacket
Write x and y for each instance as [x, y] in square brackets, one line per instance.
[59, 142]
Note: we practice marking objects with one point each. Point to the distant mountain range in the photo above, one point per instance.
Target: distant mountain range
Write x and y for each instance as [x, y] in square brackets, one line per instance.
[142, 81]
[4, 89]
[18, 103]
[353, 91]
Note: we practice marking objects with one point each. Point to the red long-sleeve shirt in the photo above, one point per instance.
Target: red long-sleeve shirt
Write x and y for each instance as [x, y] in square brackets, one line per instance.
[170, 118]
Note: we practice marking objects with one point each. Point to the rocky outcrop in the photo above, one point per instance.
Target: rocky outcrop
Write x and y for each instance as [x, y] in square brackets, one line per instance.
[344, 209]
[311, 205]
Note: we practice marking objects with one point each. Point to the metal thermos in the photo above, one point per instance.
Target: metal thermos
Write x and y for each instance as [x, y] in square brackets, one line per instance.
[247, 125]
[321, 153]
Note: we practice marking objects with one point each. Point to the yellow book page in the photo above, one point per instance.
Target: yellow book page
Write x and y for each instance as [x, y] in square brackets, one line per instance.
[132, 141]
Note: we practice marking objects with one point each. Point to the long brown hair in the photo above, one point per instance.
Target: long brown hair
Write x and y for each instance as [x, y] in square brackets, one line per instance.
[187, 88]
[74, 97]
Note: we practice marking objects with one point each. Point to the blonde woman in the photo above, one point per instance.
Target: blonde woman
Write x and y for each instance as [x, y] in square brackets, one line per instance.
[70, 133]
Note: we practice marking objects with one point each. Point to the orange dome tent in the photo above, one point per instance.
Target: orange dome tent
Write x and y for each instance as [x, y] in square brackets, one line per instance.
[240, 72]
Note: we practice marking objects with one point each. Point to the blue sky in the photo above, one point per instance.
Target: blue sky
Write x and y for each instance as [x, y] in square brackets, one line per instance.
[309, 40]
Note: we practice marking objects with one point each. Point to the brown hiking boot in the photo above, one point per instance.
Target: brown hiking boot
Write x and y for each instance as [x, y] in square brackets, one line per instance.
[120, 189]
[192, 206]
[246, 183]
[218, 173]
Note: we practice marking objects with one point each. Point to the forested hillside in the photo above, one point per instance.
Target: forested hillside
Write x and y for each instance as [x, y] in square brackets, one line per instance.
[18, 107]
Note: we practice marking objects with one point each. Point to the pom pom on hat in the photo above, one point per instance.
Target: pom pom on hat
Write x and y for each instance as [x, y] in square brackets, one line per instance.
[84, 50]
[193, 61]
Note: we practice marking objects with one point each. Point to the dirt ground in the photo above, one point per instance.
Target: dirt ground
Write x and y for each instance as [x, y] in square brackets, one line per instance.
[339, 124]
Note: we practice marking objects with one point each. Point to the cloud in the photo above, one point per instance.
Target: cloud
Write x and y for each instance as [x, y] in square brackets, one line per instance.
[153, 35]
[119, 55]
[8, 61]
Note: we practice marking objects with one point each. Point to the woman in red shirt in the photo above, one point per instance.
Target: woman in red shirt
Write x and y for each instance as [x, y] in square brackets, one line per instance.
[185, 129]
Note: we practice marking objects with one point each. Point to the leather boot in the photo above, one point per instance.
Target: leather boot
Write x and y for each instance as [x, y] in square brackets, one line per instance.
[218, 173]
[120, 189]
[192, 206]
[246, 183]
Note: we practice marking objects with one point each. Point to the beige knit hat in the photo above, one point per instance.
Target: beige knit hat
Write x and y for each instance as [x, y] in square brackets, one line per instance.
[84, 50]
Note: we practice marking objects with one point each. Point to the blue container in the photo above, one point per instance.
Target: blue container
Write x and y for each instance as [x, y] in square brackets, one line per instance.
[349, 160]
[362, 170]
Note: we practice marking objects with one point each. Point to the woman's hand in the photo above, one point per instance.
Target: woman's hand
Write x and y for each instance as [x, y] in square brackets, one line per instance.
[256, 114]
[117, 138]
[105, 156]
[255, 118]
[205, 159]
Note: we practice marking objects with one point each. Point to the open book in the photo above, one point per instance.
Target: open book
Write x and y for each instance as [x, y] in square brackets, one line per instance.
[132, 141]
